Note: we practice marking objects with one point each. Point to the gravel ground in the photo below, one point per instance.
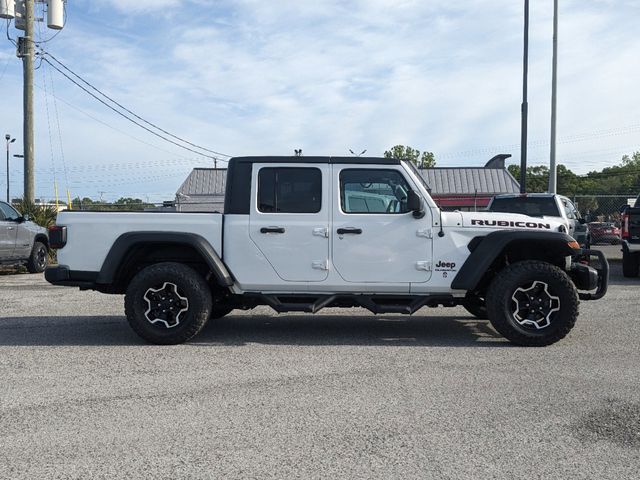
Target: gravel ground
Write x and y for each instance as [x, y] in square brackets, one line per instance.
[343, 394]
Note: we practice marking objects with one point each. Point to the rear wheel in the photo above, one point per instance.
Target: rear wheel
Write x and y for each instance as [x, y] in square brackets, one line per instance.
[39, 258]
[168, 303]
[630, 264]
[532, 303]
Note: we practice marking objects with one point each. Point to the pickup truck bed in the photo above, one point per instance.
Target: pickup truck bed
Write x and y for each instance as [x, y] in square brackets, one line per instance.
[108, 226]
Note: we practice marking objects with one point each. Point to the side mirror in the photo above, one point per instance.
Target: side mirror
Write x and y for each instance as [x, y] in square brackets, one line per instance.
[24, 218]
[624, 207]
[415, 204]
[582, 220]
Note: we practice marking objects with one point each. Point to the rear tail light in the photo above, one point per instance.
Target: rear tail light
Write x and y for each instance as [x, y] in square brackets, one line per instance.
[625, 226]
[57, 236]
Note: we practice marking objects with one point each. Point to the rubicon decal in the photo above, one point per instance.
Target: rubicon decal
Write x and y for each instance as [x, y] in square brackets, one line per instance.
[510, 223]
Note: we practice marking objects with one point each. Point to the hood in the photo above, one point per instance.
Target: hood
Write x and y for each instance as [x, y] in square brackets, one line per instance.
[496, 220]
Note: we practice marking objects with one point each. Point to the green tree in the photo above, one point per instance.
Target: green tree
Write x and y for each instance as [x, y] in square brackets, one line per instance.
[420, 159]
[537, 177]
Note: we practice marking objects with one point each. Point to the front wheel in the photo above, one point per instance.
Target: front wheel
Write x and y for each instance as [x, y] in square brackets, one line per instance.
[168, 303]
[532, 303]
[39, 258]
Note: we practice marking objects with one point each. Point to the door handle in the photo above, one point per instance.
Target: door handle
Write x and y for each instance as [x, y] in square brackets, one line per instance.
[349, 230]
[9, 228]
[272, 230]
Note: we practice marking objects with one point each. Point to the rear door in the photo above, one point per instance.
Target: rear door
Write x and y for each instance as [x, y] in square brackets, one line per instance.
[375, 238]
[8, 231]
[289, 219]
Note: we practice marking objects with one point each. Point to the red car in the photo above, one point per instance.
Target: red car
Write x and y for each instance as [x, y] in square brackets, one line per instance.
[604, 232]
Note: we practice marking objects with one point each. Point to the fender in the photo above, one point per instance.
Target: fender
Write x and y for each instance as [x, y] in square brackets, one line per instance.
[486, 249]
[126, 241]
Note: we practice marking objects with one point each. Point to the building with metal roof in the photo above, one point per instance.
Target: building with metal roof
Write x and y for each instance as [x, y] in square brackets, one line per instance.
[469, 188]
[453, 188]
[202, 191]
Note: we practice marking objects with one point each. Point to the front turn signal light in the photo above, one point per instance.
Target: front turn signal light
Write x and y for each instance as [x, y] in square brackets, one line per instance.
[575, 245]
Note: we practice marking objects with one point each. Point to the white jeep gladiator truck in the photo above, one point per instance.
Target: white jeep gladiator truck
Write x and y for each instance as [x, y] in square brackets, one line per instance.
[302, 234]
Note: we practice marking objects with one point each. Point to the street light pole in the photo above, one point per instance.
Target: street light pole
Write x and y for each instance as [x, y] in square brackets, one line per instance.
[9, 140]
[525, 104]
[553, 168]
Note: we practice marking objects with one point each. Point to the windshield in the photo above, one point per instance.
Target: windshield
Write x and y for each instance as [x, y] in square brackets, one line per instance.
[531, 206]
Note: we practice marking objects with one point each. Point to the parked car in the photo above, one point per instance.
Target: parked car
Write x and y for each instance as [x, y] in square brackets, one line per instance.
[631, 239]
[604, 232]
[303, 234]
[546, 206]
[22, 242]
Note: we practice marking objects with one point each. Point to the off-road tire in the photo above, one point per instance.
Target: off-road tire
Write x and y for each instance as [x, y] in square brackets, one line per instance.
[39, 258]
[630, 264]
[476, 306]
[500, 304]
[189, 284]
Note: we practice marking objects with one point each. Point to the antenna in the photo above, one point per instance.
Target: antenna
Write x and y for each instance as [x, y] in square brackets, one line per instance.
[358, 154]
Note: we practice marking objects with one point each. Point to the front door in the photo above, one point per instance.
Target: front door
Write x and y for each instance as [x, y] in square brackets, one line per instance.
[289, 219]
[375, 238]
[8, 231]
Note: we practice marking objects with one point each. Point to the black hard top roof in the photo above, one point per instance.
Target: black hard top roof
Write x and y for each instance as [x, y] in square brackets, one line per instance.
[347, 160]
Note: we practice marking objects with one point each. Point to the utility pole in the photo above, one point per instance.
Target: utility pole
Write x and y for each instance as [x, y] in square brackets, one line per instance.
[23, 12]
[27, 52]
[525, 104]
[553, 168]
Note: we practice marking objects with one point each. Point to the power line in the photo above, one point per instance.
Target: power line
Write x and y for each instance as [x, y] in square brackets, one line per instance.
[55, 107]
[133, 113]
[126, 117]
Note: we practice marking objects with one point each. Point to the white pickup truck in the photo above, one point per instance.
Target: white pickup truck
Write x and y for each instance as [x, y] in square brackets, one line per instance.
[302, 234]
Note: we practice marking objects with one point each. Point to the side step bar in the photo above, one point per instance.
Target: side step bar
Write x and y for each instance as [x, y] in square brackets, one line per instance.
[373, 303]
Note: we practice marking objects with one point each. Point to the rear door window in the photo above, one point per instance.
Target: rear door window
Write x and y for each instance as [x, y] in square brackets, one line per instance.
[289, 190]
[531, 206]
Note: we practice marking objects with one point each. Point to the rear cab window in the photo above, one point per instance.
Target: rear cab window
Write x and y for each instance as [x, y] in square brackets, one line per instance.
[531, 206]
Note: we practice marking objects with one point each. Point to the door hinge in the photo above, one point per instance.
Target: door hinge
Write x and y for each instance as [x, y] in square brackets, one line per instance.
[425, 232]
[321, 232]
[424, 265]
[320, 265]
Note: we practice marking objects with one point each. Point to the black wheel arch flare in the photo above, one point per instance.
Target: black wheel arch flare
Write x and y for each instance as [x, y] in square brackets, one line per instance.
[125, 242]
[485, 250]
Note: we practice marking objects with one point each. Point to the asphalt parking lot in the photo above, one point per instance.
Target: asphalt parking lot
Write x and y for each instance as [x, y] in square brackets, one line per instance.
[343, 394]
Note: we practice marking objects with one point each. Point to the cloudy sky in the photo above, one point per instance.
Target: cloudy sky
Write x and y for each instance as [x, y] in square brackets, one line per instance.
[249, 77]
